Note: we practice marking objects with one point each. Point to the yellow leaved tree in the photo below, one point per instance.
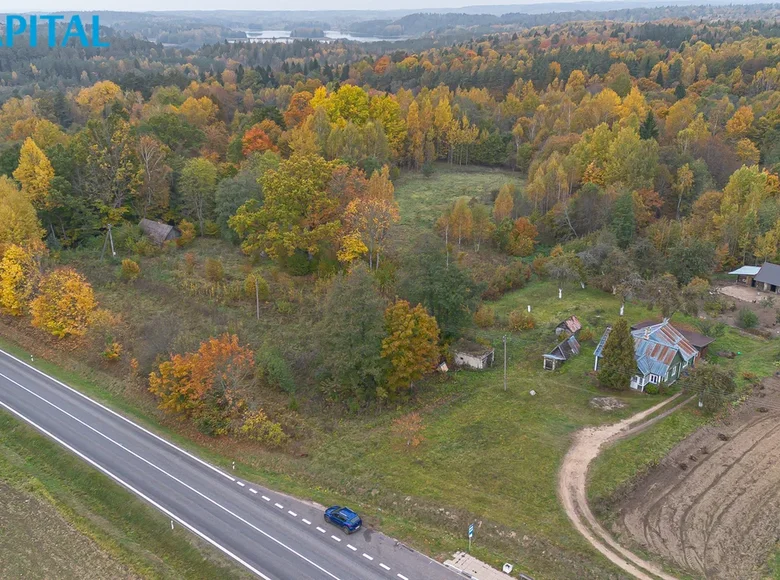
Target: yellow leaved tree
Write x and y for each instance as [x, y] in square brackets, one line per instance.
[34, 173]
[64, 304]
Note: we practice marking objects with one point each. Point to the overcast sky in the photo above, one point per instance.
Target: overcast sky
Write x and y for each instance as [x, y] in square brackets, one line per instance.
[55, 6]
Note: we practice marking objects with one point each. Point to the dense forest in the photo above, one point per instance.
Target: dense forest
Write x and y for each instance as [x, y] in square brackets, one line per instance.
[651, 152]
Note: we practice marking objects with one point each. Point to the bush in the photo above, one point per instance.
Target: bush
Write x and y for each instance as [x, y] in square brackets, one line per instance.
[130, 270]
[652, 389]
[256, 286]
[507, 278]
[586, 335]
[521, 320]
[113, 351]
[258, 427]
[145, 247]
[187, 230]
[747, 318]
[427, 169]
[485, 317]
[539, 266]
[211, 229]
[276, 371]
[214, 270]
[189, 262]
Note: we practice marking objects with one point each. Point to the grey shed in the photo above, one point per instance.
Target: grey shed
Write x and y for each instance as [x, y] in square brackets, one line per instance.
[158, 232]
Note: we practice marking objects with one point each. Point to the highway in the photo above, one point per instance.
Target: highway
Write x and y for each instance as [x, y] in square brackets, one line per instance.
[273, 535]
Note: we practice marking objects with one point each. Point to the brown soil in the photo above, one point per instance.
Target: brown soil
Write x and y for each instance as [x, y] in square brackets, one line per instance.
[712, 505]
[36, 542]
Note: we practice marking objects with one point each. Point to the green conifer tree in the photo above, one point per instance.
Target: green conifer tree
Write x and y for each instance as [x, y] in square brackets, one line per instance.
[618, 364]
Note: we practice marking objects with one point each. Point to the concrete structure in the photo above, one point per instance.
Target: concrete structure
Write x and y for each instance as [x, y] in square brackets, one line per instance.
[473, 355]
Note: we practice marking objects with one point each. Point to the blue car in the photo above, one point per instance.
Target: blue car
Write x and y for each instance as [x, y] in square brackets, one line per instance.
[344, 518]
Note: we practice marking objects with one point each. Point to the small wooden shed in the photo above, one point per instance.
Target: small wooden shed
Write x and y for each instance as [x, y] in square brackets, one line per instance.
[473, 355]
[571, 325]
[158, 232]
[561, 353]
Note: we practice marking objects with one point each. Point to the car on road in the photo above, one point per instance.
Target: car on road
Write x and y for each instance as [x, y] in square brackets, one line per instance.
[344, 518]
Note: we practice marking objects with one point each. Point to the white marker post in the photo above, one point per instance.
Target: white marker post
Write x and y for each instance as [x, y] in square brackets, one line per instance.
[171, 524]
[560, 293]
[471, 534]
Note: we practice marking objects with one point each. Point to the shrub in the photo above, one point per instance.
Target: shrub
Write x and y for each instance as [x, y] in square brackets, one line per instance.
[130, 270]
[276, 371]
[746, 318]
[521, 320]
[652, 389]
[187, 230]
[145, 247]
[214, 270]
[428, 169]
[586, 335]
[211, 229]
[258, 427]
[539, 266]
[113, 351]
[255, 286]
[507, 278]
[408, 430]
[189, 262]
[485, 317]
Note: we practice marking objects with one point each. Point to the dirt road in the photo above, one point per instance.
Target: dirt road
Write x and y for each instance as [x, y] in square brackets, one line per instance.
[571, 489]
[713, 504]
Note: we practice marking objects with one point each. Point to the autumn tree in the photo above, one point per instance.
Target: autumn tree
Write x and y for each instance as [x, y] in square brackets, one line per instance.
[522, 238]
[18, 221]
[95, 99]
[482, 227]
[154, 190]
[412, 345]
[208, 385]
[618, 364]
[461, 219]
[502, 207]
[712, 384]
[197, 184]
[64, 304]
[34, 173]
[19, 275]
[298, 109]
[256, 140]
[298, 212]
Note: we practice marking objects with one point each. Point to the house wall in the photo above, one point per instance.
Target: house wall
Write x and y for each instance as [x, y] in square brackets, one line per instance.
[468, 360]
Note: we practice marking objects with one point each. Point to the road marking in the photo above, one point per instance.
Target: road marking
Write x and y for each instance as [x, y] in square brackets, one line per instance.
[125, 419]
[292, 513]
[241, 483]
[305, 521]
[336, 538]
[161, 470]
[383, 566]
[367, 556]
[319, 529]
[280, 506]
[351, 547]
[266, 498]
[402, 577]
[252, 490]
[126, 485]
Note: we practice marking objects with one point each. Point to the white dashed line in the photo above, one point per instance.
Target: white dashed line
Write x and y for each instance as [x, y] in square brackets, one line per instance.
[319, 529]
[266, 498]
[252, 490]
[305, 521]
[336, 538]
[241, 483]
[383, 566]
[292, 513]
[351, 547]
[280, 506]
[367, 556]
[402, 577]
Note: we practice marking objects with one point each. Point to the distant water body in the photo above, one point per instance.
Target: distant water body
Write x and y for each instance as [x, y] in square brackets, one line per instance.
[286, 36]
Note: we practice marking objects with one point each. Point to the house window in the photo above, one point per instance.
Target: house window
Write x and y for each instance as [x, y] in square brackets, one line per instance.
[655, 379]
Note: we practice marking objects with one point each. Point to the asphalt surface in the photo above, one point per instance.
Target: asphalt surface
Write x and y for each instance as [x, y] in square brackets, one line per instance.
[273, 535]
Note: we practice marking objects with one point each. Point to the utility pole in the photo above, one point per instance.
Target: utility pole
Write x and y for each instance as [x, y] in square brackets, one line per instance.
[109, 238]
[505, 362]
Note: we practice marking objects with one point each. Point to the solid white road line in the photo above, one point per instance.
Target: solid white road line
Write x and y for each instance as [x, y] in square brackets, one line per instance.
[319, 529]
[402, 577]
[251, 525]
[305, 521]
[383, 566]
[126, 485]
[367, 556]
[351, 547]
[336, 538]
[125, 419]
[292, 513]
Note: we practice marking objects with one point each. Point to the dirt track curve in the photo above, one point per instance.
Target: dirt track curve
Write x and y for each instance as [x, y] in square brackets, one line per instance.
[572, 492]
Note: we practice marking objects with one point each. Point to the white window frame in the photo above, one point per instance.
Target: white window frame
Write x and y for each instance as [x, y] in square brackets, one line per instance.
[655, 379]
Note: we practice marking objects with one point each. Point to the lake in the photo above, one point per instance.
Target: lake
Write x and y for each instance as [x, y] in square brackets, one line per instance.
[330, 36]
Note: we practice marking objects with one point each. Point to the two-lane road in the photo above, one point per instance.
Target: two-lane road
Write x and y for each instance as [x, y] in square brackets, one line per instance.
[273, 535]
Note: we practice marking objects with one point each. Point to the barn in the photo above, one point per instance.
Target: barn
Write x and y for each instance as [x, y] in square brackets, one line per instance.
[158, 232]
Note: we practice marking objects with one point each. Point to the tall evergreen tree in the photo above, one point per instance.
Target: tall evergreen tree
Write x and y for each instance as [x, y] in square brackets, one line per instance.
[649, 128]
[624, 220]
[618, 364]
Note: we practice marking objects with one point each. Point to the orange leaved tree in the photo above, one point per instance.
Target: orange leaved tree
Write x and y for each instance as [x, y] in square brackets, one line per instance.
[411, 345]
[64, 304]
[206, 385]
